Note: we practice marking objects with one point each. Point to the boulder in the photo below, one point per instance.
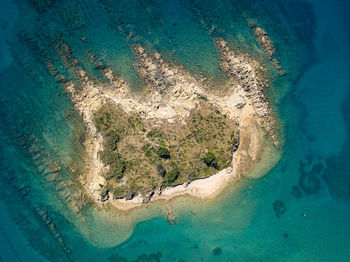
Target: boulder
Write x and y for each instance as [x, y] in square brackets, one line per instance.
[309, 183]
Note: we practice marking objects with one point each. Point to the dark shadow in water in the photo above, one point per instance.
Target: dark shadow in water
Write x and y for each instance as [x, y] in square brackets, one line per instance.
[309, 181]
[279, 208]
[217, 251]
[337, 172]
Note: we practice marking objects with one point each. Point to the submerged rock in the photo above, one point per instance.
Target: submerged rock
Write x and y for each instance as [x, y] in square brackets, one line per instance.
[279, 208]
[55, 167]
[99, 65]
[264, 41]
[171, 218]
[296, 192]
[217, 251]
[309, 183]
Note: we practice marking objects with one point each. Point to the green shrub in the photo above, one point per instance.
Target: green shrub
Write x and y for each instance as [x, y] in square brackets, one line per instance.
[161, 170]
[203, 98]
[172, 175]
[123, 192]
[210, 160]
[163, 152]
[151, 134]
[116, 171]
[112, 140]
[104, 192]
[109, 157]
[234, 141]
[148, 152]
[103, 121]
[117, 164]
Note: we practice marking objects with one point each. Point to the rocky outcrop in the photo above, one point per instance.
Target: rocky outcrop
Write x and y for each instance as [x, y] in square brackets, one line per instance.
[279, 208]
[52, 228]
[248, 76]
[148, 197]
[264, 41]
[296, 192]
[267, 44]
[172, 92]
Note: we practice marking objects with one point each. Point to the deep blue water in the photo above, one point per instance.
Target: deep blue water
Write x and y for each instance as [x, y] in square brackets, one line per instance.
[312, 40]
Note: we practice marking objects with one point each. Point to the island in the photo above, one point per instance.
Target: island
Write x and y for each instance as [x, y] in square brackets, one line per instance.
[178, 136]
[174, 143]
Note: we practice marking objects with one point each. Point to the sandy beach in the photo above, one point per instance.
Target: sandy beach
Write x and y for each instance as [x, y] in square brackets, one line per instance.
[205, 188]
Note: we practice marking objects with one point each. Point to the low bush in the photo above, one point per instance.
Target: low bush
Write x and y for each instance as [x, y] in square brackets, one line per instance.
[172, 175]
[163, 152]
[161, 170]
[112, 140]
[117, 164]
[103, 121]
[210, 160]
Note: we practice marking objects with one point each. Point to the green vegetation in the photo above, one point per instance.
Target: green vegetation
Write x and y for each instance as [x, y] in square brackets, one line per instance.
[203, 98]
[172, 175]
[163, 152]
[112, 139]
[142, 157]
[124, 192]
[151, 134]
[161, 170]
[117, 164]
[210, 160]
[103, 121]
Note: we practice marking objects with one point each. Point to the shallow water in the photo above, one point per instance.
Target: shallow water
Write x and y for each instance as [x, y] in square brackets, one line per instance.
[312, 100]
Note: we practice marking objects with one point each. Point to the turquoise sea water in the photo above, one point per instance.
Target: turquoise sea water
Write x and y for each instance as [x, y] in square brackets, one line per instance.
[312, 41]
